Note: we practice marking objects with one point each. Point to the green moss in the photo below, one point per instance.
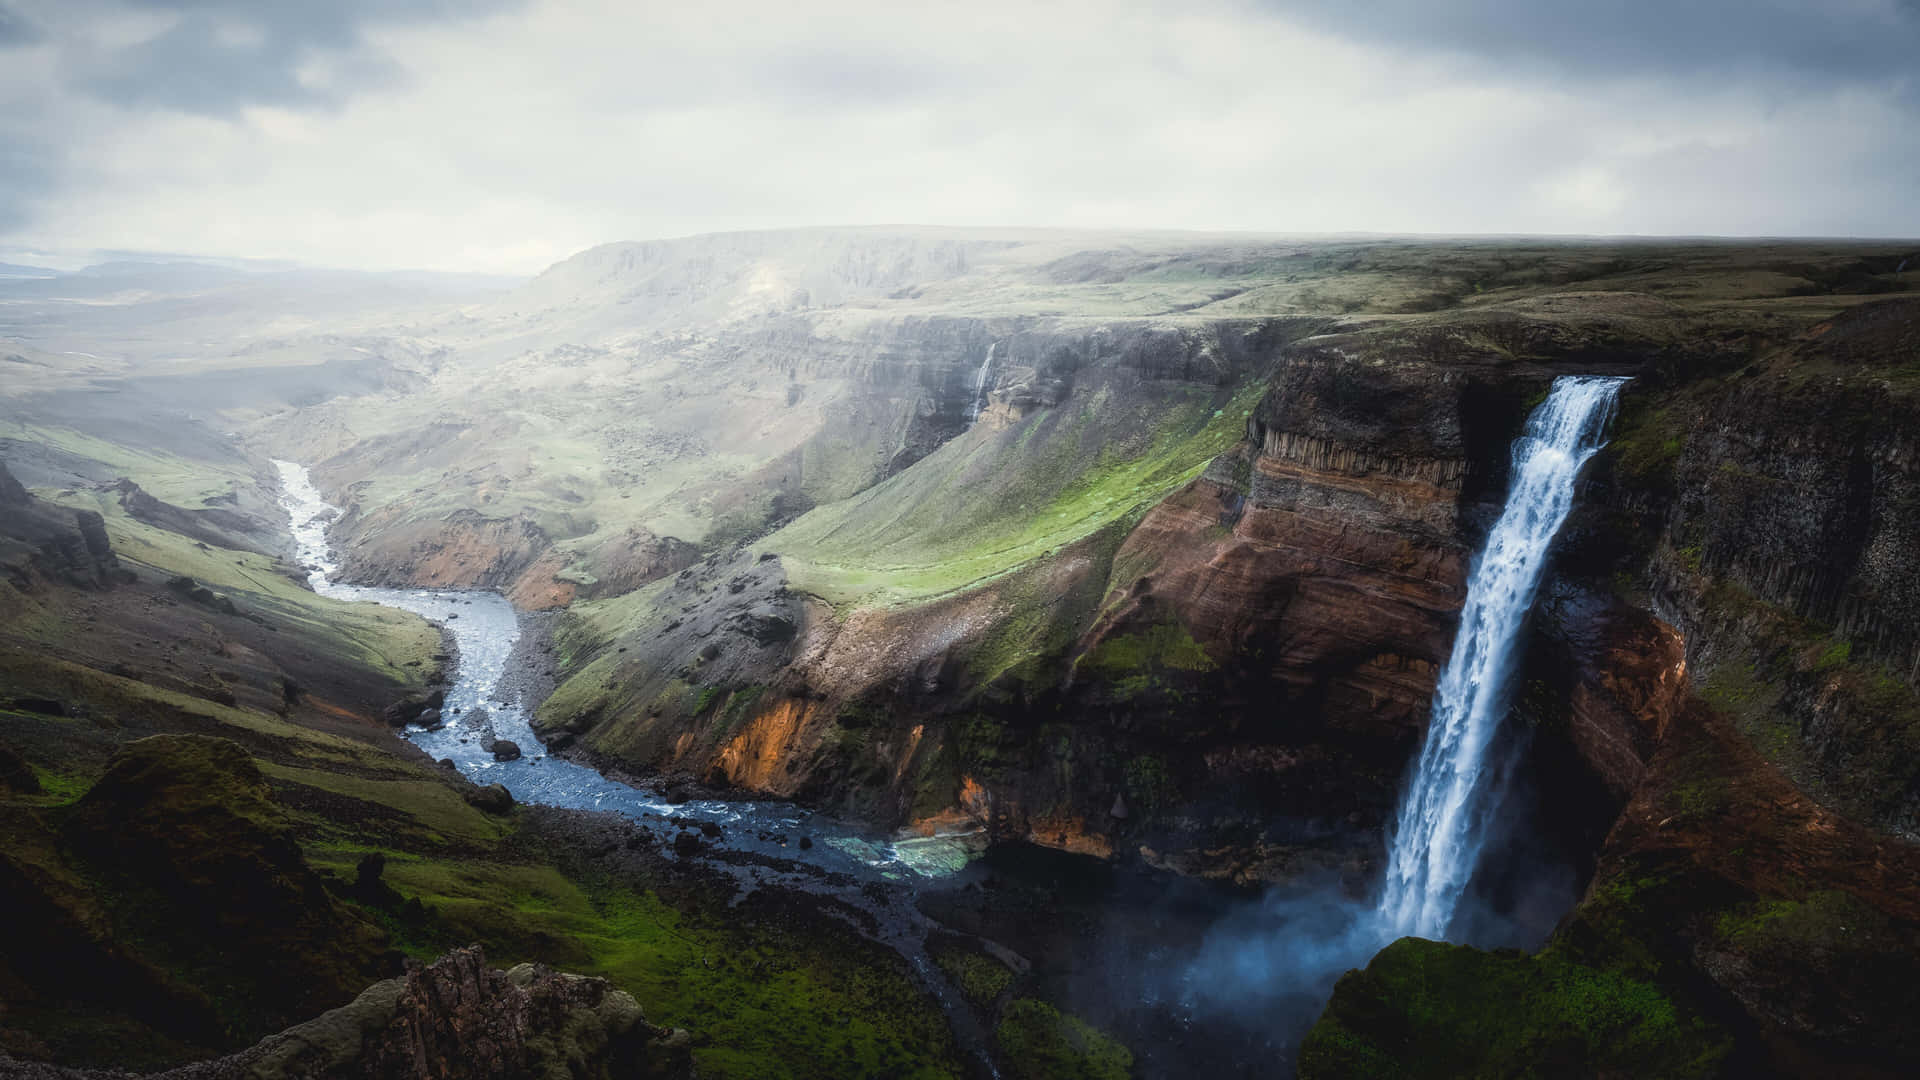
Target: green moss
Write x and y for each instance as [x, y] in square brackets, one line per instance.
[439, 813]
[1647, 444]
[1166, 645]
[1822, 919]
[1149, 784]
[981, 978]
[1429, 1009]
[1040, 1043]
[60, 788]
[765, 997]
[1834, 656]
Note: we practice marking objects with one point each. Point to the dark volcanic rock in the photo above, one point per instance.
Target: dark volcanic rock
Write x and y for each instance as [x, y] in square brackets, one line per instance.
[458, 1019]
[493, 799]
[504, 750]
[41, 540]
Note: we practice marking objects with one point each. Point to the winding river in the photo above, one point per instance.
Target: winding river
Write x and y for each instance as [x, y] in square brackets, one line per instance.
[481, 708]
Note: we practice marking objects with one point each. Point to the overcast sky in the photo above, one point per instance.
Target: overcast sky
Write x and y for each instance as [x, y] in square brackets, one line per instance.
[501, 135]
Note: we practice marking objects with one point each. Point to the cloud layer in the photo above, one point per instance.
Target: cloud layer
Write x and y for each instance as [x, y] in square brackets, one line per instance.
[500, 136]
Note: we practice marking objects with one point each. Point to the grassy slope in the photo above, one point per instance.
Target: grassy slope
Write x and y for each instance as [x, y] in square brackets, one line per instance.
[991, 501]
[765, 1003]
[167, 477]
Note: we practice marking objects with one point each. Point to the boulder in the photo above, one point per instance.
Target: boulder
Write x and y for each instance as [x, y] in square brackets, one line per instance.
[404, 711]
[491, 799]
[504, 750]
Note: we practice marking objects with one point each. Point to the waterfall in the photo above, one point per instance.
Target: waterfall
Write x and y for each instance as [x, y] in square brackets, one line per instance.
[980, 385]
[1455, 791]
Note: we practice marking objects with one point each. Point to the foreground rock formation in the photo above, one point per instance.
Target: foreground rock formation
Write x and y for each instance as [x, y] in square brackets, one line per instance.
[455, 1019]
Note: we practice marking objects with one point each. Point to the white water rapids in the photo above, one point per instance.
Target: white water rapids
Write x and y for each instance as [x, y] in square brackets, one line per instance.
[1455, 790]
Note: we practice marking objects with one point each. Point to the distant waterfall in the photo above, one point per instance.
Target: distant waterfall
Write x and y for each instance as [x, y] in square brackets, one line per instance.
[1455, 792]
[980, 385]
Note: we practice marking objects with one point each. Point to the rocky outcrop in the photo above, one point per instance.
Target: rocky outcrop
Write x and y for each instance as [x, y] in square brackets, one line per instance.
[39, 540]
[219, 526]
[466, 550]
[456, 1019]
[191, 820]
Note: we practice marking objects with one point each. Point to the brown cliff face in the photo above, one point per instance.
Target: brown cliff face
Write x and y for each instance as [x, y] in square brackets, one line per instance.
[464, 551]
[1722, 655]
[1234, 682]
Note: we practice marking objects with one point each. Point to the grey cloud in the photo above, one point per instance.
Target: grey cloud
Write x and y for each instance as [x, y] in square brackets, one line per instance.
[1821, 42]
[16, 29]
[26, 168]
[219, 56]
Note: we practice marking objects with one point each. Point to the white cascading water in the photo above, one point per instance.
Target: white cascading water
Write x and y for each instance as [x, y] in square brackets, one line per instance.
[1455, 789]
[980, 385]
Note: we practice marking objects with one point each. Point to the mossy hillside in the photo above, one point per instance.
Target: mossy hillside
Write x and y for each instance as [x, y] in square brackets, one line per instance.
[70, 754]
[585, 450]
[168, 477]
[1038, 1042]
[1031, 646]
[1841, 723]
[981, 978]
[991, 501]
[765, 998]
[1429, 1009]
[201, 885]
[385, 640]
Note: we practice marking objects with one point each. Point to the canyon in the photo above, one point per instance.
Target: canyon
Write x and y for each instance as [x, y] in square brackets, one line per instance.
[1137, 557]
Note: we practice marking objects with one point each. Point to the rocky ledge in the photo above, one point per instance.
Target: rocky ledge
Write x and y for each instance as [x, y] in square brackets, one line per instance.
[453, 1019]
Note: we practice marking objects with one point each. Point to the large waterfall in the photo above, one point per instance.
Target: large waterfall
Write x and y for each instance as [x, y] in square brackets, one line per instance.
[1455, 791]
[980, 385]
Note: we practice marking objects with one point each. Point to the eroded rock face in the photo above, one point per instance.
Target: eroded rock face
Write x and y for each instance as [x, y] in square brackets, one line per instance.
[42, 541]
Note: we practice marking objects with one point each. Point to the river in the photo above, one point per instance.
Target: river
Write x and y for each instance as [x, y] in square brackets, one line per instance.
[481, 708]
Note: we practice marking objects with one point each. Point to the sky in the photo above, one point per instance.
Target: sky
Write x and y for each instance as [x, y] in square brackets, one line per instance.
[499, 136]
